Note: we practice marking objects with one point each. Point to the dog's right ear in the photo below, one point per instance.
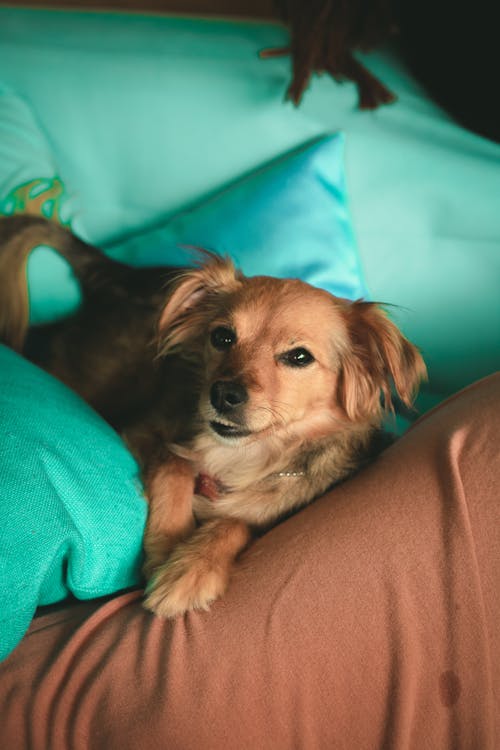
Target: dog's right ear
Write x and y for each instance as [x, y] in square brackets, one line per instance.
[193, 299]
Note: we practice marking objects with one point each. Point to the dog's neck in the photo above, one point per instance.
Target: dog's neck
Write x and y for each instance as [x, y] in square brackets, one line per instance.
[212, 488]
[240, 465]
[299, 459]
[263, 482]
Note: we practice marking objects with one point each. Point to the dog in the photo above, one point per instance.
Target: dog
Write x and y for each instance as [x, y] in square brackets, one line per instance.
[242, 398]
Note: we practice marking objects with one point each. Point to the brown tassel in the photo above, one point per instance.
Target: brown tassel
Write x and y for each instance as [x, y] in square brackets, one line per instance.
[323, 36]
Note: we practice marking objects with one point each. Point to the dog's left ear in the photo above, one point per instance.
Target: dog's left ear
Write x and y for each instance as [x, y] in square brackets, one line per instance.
[378, 356]
[192, 299]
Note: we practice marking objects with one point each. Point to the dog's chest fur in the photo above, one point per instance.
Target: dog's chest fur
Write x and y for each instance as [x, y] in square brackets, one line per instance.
[234, 479]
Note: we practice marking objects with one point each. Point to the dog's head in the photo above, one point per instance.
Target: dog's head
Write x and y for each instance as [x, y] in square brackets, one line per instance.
[280, 356]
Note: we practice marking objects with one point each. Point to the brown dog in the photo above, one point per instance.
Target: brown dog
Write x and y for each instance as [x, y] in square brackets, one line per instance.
[243, 399]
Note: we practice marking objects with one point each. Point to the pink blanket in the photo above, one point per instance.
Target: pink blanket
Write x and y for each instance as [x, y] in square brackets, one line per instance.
[368, 620]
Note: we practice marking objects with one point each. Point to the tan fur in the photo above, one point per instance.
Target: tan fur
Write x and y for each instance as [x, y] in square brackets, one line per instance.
[170, 518]
[197, 571]
[142, 354]
[309, 427]
[18, 237]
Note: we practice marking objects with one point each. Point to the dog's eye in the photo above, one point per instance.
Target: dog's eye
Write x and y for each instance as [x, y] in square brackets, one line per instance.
[297, 358]
[222, 338]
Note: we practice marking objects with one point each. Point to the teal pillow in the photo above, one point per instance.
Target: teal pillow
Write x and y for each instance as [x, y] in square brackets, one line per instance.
[29, 176]
[30, 182]
[72, 512]
[290, 218]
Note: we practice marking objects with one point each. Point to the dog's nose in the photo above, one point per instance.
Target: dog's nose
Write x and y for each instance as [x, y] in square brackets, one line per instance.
[226, 395]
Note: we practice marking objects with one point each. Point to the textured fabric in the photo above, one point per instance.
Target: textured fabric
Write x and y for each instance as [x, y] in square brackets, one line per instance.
[368, 620]
[71, 509]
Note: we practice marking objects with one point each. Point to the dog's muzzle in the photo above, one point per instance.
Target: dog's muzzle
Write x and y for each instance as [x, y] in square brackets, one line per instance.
[226, 397]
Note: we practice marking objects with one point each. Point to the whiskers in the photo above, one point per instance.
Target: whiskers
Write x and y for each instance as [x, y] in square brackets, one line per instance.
[277, 413]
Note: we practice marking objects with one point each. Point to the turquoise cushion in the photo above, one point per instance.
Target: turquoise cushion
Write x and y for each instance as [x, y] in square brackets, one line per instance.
[29, 176]
[30, 183]
[289, 218]
[72, 512]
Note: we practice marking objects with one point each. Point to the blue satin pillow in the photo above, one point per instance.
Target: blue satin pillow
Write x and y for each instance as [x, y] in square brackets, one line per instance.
[289, 218]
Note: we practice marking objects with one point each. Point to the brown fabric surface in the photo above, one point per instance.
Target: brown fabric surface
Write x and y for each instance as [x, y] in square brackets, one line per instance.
[368, 620]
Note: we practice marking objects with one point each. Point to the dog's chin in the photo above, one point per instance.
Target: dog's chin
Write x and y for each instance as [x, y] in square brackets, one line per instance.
[229, 432]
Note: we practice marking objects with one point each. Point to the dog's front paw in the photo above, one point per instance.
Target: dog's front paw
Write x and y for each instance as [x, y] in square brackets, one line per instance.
[179, 586]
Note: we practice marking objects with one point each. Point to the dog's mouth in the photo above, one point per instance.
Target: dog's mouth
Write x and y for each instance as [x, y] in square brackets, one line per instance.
[228, 430]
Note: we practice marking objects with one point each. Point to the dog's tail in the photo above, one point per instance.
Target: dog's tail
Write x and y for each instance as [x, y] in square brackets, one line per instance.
[19, 235]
